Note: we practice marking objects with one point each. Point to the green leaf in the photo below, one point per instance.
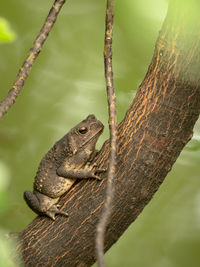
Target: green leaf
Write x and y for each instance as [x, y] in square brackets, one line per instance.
[6, 33]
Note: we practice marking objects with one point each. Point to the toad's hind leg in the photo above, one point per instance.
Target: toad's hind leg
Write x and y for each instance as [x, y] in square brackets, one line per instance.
[32, 201]
[43, 204]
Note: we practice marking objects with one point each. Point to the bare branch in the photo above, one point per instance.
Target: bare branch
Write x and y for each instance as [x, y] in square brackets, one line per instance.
[101, 227]
[31, 57]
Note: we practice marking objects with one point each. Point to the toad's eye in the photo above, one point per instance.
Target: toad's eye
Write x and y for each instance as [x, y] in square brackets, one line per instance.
[83, 130]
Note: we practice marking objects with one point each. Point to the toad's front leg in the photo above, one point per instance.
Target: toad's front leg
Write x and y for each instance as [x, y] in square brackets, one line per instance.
[89, 171]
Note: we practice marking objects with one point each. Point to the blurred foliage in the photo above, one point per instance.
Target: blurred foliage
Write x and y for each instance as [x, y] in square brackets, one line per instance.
[4, 183]
[194, 144]
[7, 254]
[6, 34]
[65, 85]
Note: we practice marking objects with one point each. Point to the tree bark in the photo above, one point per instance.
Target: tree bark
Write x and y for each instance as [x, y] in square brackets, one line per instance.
[155, 129]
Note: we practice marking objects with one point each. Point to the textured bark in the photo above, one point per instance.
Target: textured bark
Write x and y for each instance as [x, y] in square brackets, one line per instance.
[155, 129]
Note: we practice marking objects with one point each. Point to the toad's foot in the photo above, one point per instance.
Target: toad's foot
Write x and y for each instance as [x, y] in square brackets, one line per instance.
[95, 173]
[54, 210]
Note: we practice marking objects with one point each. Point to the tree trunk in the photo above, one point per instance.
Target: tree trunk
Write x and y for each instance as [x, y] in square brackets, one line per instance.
[155, 129]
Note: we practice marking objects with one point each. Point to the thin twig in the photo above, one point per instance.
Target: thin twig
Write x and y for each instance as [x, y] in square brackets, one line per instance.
[101, 227]
[31, 57]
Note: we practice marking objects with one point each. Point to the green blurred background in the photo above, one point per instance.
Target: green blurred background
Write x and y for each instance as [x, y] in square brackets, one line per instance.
[65, 85]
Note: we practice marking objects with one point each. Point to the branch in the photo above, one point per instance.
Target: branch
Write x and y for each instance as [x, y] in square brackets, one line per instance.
[101, 227]
[31, 57]
[154, 131]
